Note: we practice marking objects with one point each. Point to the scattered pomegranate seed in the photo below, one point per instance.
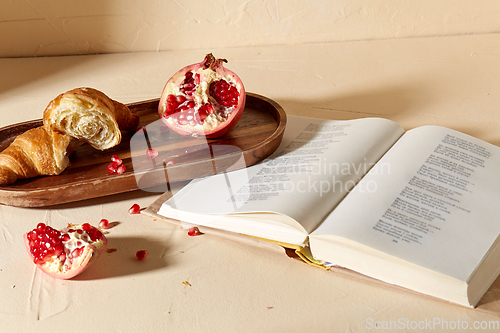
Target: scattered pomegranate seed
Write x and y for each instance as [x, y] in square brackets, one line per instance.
[111, 168]
[152, 153]
[171, 162]
[104, 224]
[115, 159]
[135, 209]
[116, 165]
[121, 169]
[194, 231]
[141, 255]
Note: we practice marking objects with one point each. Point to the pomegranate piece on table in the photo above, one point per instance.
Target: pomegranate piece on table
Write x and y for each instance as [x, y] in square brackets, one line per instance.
[66, 253]
[152, 153]
[141, 254]
[203, 99]
[134, 209]
[116, 160]
[194, 231]
[104, 224]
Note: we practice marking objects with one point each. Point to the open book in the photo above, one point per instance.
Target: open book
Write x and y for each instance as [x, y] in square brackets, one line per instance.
[418, 209]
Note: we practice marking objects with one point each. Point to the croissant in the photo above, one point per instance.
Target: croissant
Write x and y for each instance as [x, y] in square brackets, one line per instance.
[36, 152]
[89, 115]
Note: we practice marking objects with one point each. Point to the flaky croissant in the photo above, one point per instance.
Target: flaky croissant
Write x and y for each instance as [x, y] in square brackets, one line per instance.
[34, 153]
[89, 115]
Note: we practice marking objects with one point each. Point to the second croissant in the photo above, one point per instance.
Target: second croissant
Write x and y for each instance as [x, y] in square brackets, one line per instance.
[84, 114]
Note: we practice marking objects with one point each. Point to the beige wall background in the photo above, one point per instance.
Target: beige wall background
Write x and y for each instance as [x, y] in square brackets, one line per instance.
[31, 28]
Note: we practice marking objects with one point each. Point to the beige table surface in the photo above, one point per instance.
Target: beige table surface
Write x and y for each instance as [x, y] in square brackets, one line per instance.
[450, 81]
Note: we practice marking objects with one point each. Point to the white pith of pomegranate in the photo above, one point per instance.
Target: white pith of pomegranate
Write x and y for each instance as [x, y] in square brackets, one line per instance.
[66, 253]
[203, 99]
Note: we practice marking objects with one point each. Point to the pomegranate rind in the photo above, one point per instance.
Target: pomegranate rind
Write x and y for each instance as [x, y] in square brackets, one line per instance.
[220, 128]
[90, 254]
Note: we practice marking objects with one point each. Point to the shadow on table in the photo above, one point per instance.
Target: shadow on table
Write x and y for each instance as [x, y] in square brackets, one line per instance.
[417, 102]
[119, 258]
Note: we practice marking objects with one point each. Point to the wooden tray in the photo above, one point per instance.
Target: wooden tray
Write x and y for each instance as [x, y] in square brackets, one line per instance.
[256, 136]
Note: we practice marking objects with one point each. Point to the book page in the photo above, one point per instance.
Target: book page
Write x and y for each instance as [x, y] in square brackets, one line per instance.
[433, 201]
[317, 163]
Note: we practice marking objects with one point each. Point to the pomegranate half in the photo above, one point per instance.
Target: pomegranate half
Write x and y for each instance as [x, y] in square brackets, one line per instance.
[203, 99]
[66, 253]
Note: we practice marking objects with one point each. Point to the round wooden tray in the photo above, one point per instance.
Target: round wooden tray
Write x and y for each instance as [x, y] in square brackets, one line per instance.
[256, 136]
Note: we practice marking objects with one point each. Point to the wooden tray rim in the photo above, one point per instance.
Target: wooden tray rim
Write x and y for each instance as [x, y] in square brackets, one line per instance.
[14, 196]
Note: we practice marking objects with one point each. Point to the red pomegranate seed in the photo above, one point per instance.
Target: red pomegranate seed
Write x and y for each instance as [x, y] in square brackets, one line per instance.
[58, 249]
[203, 112]
[32, 235]
[224, 93]
[194, 231]
[111, 168]
[183, 121]
[95, 234]
[188, 85]
[77, 252]
[170, 108]
[135, 209]
[152, 153]
[141, 255]
[45, 242]
[171, 98]
[86, 226]
[115, 159]
[104, 224]
[121, 169]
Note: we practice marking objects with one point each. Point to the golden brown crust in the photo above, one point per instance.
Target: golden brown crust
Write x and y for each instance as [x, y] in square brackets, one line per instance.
[88, 114]
[33, 153]
[125, 119]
